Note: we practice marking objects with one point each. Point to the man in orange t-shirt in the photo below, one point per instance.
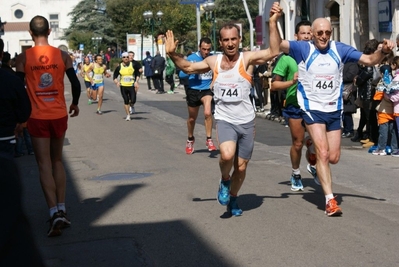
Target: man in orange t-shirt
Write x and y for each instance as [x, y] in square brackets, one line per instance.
[43, 67]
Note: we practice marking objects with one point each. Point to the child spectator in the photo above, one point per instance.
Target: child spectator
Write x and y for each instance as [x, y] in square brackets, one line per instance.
[385, 114]
[394, 97]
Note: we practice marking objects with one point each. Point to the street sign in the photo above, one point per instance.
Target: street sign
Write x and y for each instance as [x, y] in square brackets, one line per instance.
[187, 2]
[384, 16]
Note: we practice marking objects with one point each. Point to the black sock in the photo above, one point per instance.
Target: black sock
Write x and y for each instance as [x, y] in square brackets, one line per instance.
[191, 138]
[208, 137]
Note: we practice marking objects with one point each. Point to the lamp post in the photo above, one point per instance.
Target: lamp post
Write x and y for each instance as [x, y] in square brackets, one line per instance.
[97, 40]
[210, 14]
[150, 21]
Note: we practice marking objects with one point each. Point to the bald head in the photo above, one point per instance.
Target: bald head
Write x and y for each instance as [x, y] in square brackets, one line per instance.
[321, 32]
[321, 23]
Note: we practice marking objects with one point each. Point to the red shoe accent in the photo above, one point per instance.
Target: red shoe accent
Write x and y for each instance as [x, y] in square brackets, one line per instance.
[332, 208]
[190, 147]
[209, 144]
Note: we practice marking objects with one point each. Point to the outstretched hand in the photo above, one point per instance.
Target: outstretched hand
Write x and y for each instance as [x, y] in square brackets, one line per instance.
[276, 11]
[387, 46]
[170, 43]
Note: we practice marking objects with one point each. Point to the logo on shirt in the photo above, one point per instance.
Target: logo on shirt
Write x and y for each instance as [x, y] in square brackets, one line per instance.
[324, 77]
[46, 80]
[43, 59]
[324, 64]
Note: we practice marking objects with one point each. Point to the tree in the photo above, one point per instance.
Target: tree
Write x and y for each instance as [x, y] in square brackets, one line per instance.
[234, 11]
[127, 17]
[87, 22]
[112, 19]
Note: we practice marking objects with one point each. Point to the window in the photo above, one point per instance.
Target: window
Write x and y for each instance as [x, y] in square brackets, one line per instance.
[18, 13]
[54, 24]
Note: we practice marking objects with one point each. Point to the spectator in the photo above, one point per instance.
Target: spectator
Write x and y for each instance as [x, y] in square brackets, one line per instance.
[158, 66]
[170, 71]
[147, 69]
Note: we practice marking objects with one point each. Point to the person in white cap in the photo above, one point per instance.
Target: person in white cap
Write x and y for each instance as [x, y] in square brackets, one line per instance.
[126, 82]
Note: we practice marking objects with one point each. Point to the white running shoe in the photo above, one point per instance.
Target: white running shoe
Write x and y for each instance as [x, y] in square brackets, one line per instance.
[128, 118]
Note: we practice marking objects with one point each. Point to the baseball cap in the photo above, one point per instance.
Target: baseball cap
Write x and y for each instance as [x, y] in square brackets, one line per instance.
[125, 54]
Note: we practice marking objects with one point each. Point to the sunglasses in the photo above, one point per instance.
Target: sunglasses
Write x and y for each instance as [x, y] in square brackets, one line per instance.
[320, 33]
[125, 57]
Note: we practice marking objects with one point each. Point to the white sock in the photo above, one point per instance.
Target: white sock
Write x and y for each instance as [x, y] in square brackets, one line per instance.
[53, 210]
[61, 206]
[328, 197]
[296, 171]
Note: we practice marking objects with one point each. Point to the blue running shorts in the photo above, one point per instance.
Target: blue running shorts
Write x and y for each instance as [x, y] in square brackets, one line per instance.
[332, 120]
[292, 112]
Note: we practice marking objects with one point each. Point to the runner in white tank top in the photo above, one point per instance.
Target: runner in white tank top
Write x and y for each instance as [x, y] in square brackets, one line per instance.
[234, 114]
[231, 90]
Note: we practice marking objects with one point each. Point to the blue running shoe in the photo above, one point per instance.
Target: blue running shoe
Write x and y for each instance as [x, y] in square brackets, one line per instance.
[224, 192]
[296, 183]
[233, 208]
[312, 171]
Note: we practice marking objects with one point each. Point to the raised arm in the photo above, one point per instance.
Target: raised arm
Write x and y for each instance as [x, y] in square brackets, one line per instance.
[262, 56]
[186, 66]
[375, 58]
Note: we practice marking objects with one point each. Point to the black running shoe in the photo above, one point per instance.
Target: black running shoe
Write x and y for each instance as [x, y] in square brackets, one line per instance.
[65, 220]
[56, 224]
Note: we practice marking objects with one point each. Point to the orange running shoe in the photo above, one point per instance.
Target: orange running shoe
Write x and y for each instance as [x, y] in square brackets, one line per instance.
[190, 147]
[209, 144]
[332, 208]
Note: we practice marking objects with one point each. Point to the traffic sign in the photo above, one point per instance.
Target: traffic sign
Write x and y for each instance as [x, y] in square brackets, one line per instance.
[187, 2]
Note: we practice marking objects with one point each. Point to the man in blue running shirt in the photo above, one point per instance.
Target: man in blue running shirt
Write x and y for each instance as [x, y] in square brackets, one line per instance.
[199, 93]
[320, 66]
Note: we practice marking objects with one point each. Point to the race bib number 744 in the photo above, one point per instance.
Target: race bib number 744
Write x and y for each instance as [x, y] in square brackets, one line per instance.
[230, 94]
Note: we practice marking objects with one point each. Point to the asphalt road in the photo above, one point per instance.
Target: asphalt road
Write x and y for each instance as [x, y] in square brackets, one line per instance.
[136, 199]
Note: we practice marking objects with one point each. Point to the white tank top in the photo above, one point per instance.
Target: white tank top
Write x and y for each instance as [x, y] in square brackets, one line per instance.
[231, 93]
[320, 80]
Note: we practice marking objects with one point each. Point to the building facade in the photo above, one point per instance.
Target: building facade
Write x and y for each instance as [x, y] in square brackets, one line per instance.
[353, 21]
[18, 13]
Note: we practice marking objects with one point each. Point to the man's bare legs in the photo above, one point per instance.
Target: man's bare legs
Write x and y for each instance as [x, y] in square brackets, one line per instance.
[193, 114]
[192, 117]
[88, 93]
[48, 153]
[297, 135]
[100, 94]
[229, 186]
[328, 150]
[208, 121]
[206, 102]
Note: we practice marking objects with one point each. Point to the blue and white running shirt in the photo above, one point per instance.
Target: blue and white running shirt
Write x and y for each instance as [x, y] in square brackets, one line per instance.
[197, 81]
[320, 74]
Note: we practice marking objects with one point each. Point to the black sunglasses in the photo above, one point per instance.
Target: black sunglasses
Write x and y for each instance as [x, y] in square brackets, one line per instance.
[320, 33]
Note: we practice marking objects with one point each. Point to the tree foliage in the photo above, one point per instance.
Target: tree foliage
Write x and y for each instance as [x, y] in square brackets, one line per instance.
[126, 16]
[234, 11]
[86, 22]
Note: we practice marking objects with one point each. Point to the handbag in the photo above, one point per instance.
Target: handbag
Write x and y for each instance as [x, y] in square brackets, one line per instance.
[349, 88]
